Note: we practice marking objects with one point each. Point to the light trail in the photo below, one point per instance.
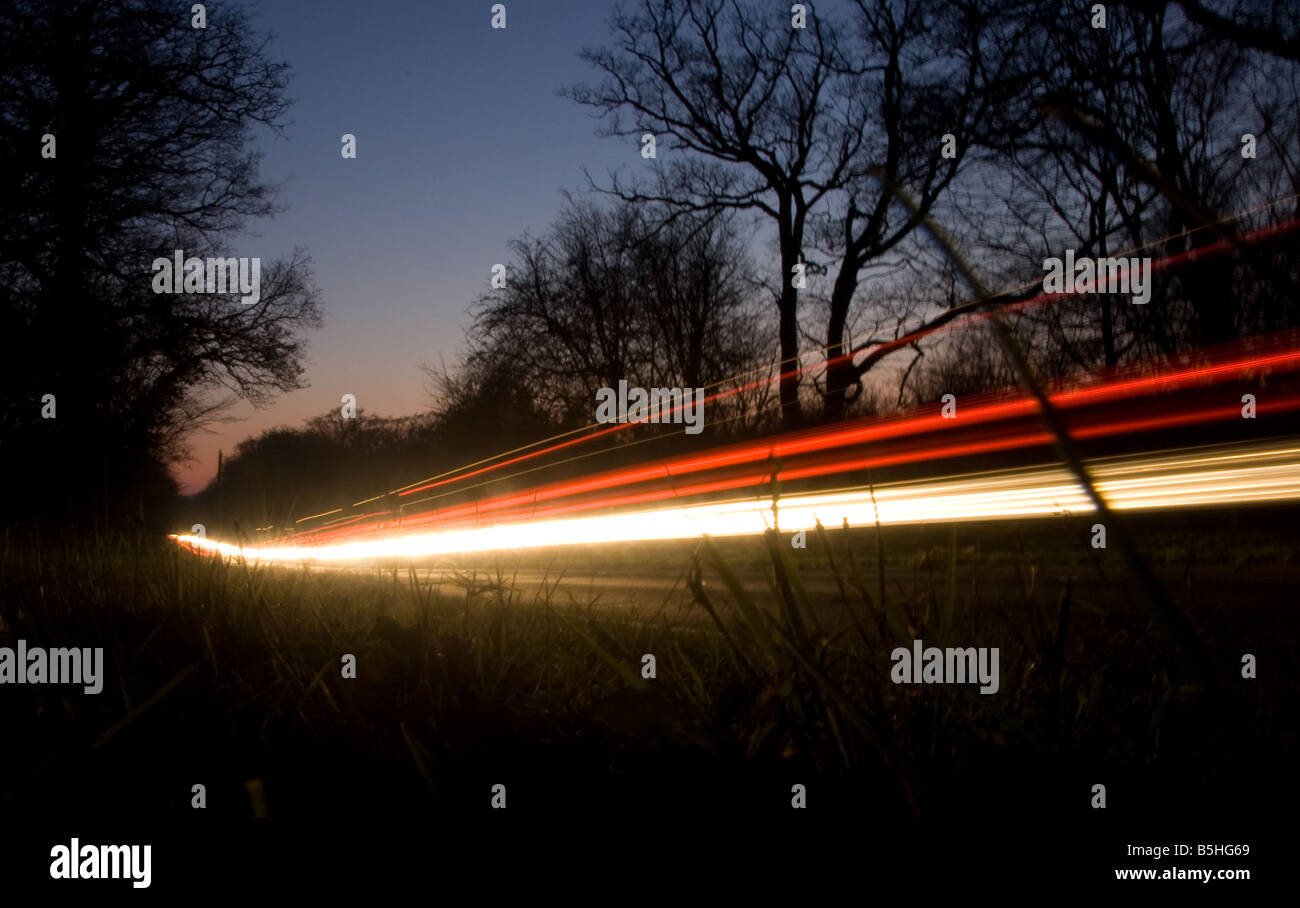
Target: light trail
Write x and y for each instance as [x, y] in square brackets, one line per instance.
[1122, 401]
[1193, 478]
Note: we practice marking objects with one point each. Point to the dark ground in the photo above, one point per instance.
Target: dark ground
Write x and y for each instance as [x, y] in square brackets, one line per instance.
[230, 677]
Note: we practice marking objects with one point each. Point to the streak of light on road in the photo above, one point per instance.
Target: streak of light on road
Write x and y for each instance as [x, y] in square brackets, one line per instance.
[1226, 475]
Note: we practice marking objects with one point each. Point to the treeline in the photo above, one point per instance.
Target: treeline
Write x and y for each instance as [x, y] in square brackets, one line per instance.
[286, 473]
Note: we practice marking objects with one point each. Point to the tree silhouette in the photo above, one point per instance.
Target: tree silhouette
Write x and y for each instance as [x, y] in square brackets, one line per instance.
[151, 119]
[808, 127]
[604, 296]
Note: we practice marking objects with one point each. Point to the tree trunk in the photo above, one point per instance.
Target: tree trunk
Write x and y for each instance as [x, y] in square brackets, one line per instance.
[788, 307]
[840, 374]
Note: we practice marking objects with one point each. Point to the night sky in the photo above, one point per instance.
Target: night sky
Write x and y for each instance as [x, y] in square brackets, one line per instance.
[462, 144]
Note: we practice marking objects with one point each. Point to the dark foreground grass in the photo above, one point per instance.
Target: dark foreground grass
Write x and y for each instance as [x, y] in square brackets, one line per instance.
[229, 675]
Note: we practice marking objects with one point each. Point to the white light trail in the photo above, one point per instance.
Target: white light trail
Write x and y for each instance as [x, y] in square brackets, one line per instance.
[1146, 482]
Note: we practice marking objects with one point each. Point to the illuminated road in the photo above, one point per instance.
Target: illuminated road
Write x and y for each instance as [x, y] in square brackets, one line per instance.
[661, 594]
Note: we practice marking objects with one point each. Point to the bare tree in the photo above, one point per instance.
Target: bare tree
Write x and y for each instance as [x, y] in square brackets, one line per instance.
[936, 79]
[807, 127]
[607, 294]
[1137, 145]
[1267, 25]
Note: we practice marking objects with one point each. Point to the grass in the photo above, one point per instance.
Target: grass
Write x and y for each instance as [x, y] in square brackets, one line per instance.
[229, 675]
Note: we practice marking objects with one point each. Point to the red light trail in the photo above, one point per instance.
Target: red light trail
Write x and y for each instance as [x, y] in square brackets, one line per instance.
[1200, 389]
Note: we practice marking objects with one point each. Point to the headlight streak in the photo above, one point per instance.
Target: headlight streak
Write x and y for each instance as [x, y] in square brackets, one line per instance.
[925, 438]
[861, 431]
[1238, 475]
[631, 503]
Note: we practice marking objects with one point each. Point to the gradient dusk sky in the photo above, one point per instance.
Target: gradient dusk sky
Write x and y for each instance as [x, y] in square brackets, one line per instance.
[462, 144]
